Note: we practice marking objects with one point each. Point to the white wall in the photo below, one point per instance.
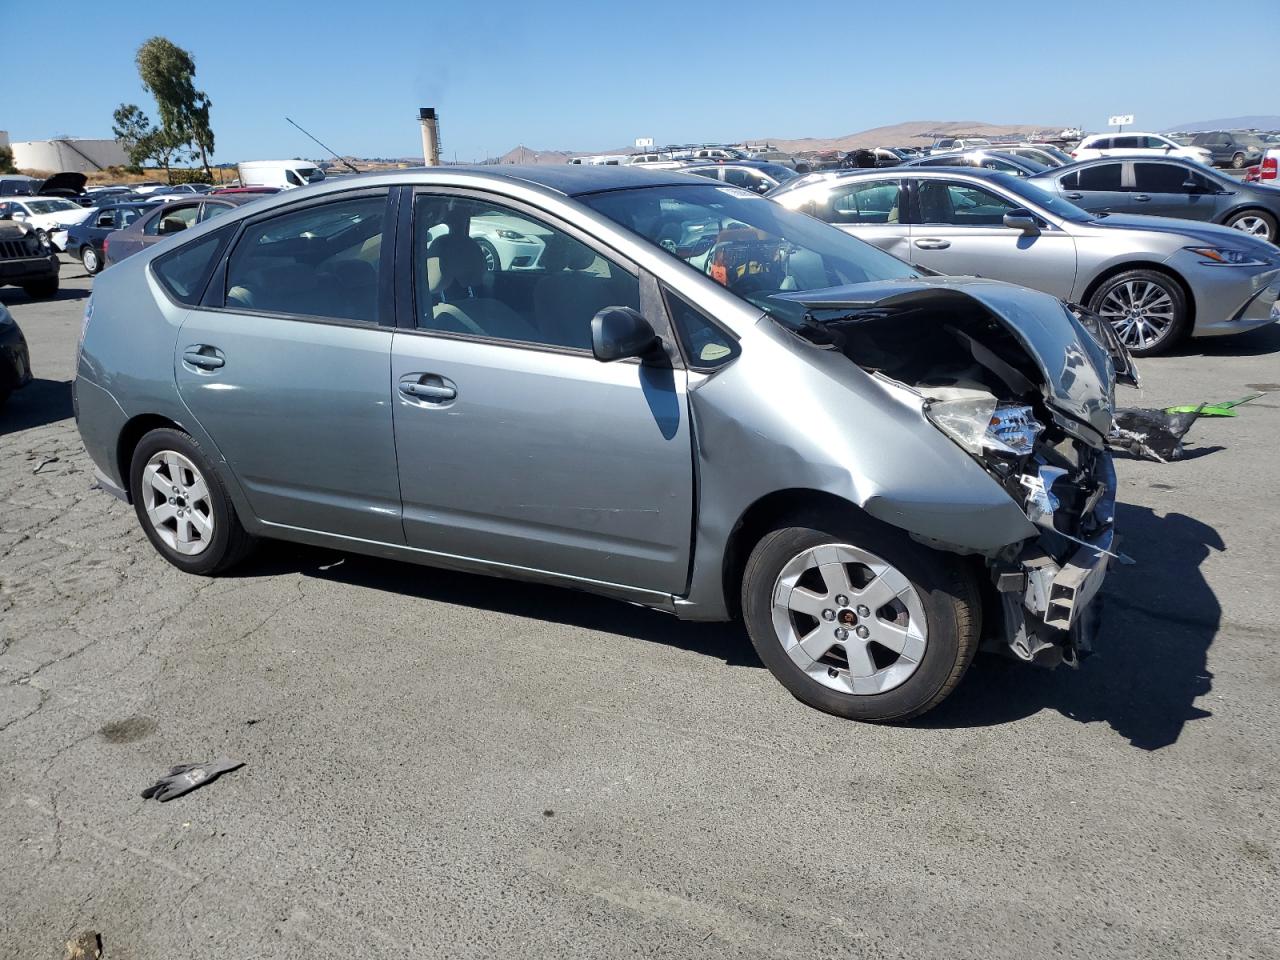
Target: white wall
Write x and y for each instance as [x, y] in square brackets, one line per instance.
[57, 156]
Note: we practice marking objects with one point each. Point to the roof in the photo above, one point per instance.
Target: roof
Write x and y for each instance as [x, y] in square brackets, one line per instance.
[578, 179]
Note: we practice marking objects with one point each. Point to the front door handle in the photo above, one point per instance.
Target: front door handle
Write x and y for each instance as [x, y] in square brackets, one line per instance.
[429, 387]
[204, 357]
[1074, 196]
[1141, 197]
[931, 243]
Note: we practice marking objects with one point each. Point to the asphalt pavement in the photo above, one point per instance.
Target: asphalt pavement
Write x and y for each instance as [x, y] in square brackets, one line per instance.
[443, 765]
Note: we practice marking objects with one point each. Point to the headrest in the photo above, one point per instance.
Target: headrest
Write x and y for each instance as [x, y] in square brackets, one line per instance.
[565, 253]
[454, 260]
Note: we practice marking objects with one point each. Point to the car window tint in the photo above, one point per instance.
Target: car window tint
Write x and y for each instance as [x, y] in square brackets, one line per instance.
[1104, 176]
[874, 201]
[706, 346]
[172, 220]
[319, 262]
[184, 271]
[961, 205]
[712, 173]
[490, 271]
[740, 177]
[1162, 178]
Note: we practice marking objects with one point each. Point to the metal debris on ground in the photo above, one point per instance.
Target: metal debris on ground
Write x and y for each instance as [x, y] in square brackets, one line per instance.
[44, 463]
[187, 777]
[84, 946]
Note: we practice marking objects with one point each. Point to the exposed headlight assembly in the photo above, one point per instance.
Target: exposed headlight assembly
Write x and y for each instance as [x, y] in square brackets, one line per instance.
[981, 424]
[1226, 257]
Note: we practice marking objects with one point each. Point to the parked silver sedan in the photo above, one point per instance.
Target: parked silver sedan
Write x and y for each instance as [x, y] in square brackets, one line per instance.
[697, 401]
[1155, 279]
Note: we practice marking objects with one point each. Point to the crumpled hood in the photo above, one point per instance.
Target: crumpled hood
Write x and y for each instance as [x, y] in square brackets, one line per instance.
[1078, 370]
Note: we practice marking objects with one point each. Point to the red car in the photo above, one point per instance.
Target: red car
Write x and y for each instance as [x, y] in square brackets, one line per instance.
[221, 190]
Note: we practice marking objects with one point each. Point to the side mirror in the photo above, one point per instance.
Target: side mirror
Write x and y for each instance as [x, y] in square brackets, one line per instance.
[18, 215]
[763, 187]
[1022, 220]
[618, 333]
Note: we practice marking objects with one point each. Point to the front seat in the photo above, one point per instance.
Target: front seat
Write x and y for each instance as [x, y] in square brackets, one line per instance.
[935, 203]
[565, 300]
[455, 272]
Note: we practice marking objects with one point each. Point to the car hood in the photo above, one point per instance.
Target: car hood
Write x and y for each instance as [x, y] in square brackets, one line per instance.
[1206, 233]
[64, 184]
[1078, 370]
[13, 230]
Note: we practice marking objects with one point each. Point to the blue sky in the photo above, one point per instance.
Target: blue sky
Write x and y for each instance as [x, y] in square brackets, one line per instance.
[554, 75]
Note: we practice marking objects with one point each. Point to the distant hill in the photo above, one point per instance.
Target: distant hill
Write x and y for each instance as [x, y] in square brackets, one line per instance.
[1263, 122]
[917, 133]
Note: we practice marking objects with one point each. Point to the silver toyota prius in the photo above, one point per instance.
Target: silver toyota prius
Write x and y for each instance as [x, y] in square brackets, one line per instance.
[696, 400]
[1155, 279]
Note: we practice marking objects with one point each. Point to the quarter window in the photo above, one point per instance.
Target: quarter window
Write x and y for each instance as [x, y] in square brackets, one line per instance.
[706, 346]
[961, 205]
[875, 201]
[185, 271]
[318, 262]
[491, 271]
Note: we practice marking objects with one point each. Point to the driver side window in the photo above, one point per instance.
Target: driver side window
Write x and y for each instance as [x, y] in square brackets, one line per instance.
[961, 205]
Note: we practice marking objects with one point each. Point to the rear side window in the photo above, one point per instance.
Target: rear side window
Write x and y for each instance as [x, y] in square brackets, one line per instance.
[1163, 178]
[185, 271]
[866, 202]
[321, 261]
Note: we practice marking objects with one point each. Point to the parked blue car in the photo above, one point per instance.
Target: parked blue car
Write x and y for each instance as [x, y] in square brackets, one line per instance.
[85, 240]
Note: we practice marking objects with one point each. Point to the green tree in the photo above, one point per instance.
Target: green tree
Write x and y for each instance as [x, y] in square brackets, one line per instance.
[6, 160]
[168, 72]
[133, 131]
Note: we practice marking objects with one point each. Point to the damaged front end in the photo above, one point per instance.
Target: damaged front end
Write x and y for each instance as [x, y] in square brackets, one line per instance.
[1026, 388]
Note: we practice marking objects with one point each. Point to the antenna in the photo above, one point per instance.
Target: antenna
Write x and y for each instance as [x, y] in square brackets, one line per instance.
[335, 156]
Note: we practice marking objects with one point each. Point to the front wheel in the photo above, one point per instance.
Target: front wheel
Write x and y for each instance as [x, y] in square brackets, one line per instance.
[1256, 223]
[183, 505]
[1147, 309]
[858, 620]
[41, 289]
[89, 257]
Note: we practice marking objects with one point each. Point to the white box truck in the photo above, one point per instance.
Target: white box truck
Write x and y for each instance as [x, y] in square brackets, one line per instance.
[285, 174]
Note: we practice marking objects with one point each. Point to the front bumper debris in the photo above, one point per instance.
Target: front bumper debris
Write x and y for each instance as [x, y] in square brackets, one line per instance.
[1049, 596]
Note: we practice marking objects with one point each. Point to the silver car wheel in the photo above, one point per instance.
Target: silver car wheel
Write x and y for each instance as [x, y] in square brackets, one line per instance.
[177, 503]
[1141, 312]
[1254, 226]
[849, 620]
[90, 259]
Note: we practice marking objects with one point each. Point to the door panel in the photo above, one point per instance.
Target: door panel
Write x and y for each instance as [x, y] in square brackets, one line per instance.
[302, 412]
[966, 237]
[546, 460]
[1162, 184]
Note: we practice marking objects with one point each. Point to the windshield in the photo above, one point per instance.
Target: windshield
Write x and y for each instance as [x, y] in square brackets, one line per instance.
[753, 246]
[311, 174]
[50, 206]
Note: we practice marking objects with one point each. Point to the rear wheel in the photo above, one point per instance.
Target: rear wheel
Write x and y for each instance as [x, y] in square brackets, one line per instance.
[1256, 223]
[858, 620]
[1237, 161]
[1147, 309]
[183, 505]
[89, 257]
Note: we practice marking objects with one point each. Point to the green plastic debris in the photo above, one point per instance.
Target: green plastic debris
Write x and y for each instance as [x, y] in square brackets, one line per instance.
[1224, 409]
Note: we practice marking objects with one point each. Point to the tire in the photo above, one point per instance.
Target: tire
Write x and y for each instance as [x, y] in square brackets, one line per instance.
[206, 537]
[1147, 309]
[939, 604]
[42, 289]
[491, 262]
[1237, 161]
[1257, 223]
[91, 259]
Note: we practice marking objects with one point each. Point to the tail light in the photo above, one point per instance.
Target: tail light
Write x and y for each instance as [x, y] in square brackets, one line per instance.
[1268, 169]
[105, 242]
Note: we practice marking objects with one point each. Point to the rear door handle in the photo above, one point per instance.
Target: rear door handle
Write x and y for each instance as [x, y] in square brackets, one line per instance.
[931, 243]
[1074, 196]
[1141, 197]
[203, 356]
[430, 387]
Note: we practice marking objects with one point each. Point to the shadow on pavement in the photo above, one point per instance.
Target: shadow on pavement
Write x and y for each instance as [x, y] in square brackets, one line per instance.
[1256, 342]
[724, 641]
[1150, 665]
[12, 296]
[38, 403]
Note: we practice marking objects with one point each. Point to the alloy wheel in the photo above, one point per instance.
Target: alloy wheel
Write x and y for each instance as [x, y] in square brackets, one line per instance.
[848, 619]
[1253, 225]
[1141, 312]
[177, 502]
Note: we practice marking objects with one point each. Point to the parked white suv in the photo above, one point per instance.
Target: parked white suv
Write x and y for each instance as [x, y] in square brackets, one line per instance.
[1136, 145]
